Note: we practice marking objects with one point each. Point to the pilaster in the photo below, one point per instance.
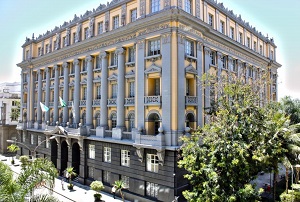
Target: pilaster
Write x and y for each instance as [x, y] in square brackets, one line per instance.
[31, 87]
[200, 87]
[66, 93]
[40, 86]
[89, 101]
[121, 88]
[47, 99]
[56, 94]
[140, 85]
[76, 92]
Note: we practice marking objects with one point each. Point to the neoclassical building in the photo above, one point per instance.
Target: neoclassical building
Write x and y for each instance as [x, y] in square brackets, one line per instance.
[128, 72]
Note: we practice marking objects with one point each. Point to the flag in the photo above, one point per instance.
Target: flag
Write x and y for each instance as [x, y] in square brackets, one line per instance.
[44, 107]
[62, 102]
[73, 110]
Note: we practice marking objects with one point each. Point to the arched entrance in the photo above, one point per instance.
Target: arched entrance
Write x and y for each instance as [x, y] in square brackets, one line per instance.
[153, 123]
[76, 157]
[190, 120]
[54, 152]
[64, 156]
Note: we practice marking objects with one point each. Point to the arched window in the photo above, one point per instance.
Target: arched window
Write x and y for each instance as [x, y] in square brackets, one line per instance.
[83, 118]
[190, 119]
[97, 117]
[130, 121]
[113, 120]
[154, 123]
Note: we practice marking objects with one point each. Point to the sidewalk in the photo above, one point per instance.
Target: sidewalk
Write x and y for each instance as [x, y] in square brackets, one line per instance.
[81, 193]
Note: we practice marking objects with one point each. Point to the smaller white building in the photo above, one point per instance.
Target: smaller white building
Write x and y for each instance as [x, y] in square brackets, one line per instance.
[10, 97]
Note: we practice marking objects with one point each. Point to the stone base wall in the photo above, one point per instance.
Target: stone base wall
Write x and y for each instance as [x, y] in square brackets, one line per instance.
[7, 132]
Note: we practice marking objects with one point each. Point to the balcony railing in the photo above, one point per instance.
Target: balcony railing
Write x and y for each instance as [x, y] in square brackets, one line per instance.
[108, 133]
[152, 100]
[191, 100]
[96, 102]
[112, 102]
[129, 101]
[82, 103]
[127, 136]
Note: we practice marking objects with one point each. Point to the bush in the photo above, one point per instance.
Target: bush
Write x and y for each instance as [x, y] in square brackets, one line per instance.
[24, 161]
[291, 196]
[97, 186]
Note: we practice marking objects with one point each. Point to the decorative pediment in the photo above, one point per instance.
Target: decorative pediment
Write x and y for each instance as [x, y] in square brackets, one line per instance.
[72, 83]
[97, 79]
[84, 81]
[153, 69]
[113, 77]
[130, 75]
[190, 69]
[61, 85]
[59, 130]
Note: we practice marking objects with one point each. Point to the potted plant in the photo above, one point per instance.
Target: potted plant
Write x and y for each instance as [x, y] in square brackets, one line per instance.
[97, 186]
[120, 185]
[13, 148]
[24, 161]
[70, 173]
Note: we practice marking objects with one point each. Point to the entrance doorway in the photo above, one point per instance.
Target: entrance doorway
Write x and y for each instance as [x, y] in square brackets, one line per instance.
[76, 157]
[64, 157]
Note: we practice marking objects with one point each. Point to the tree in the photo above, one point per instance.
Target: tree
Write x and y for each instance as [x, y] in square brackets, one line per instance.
[291, 108]
[70, 173]
[15, 112]
[13, 149]
[119, 185]
[97, 186]
[224, 156]
[40, 171]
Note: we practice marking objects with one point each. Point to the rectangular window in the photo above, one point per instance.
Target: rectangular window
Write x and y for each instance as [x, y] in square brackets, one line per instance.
[72, 94]
[271, 55]
[152, 189]
[91, 151]
[47, 48]
[189, 48]
[86, 33]
[52, 96]
[154, 47]
[74, 37]
[39, 51]
[260, 49]
[234, 65]
[131, 54]
[210, 19]
[224, 61]
[131, 89]
[91, 172]
[222, 27]
[250, 72]
[133, 15]
[31, 139]
[254, 46]
[116, 22]
[212, 56]
[187, 89]
[114, 90]
[98, 95]
[231, 32]
[125, 179]
[241, 37]
[125, 158]
[106, 176]
[100, 27]
[39, 140]
[113, 59]
[188, 6]
[83, 65]
[152, 163]
[107, 154]
[155, 4]
[248, 42]
[157, 87]
[84, 94]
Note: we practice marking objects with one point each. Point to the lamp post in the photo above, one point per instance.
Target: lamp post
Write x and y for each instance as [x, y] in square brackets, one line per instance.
[33, 152]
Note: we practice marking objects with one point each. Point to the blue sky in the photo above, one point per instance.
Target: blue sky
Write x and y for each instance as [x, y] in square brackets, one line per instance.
[279, 19]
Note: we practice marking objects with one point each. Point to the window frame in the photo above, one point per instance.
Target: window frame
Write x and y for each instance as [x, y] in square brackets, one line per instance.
[92, 151]
[133, 15]
[189, 48]
[125, 158]
[154, 47]
[152, 163]
[155, 6]
[107, 154]
[116, 22]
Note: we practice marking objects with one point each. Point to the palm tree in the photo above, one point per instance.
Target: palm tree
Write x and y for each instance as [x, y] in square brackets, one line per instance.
[39, 172]
[119, 185]
[70, 173]
[13, 148]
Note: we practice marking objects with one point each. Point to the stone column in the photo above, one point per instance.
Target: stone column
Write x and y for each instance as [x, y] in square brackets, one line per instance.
[47, 98]
[31, 92]
[166, 90]
[22, 97]
[56, 93]
[103, 103]
[76, 91]
[199, 87]
[40, 86]
[89, 101]
[207, 62]
[66, 93]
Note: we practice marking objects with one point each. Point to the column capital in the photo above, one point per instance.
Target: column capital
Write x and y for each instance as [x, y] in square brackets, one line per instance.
[55, 67]
[76, 62]
[166, 38]
[120, 51]
[88, 58]
[230, 59]
[65, 65]
[180, 38]
[200, 45]
[141, 43]
[219, 54]
[39, 71]
[103, 55]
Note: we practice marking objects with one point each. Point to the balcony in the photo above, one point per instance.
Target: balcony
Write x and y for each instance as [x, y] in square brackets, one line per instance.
[127, 136]
[152, 100]
[129, 101]
[108, 133]
[96, 102]
[112, 102]
[191, 100]
[82, 103]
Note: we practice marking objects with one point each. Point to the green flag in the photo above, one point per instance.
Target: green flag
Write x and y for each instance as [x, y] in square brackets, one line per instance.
[62, 102]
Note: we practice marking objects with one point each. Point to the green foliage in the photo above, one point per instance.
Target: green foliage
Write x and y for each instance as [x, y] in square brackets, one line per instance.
[15, 112]
[291, 108]
[292, 196]
[120, 185]
[97, 186]
[24, 161]
[70, 173]
[13, 148]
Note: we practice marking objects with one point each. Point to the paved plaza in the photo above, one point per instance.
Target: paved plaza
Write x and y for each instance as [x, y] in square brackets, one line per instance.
[81, 193]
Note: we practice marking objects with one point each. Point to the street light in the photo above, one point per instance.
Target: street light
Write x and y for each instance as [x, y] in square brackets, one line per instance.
[32, 151]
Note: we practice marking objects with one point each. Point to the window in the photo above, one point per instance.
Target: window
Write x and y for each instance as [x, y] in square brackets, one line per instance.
[188, 6]
[83, 64]
[248, 42]
[125, 158]
[84, 94]
[47, 48]
[125, 179]
[98, 93]
[224, 62]
[107, 154]
[131, 122]
[154, 6]
[154, 47]
[157, 87]
[189, 48]
[100, 27]
[131, 89]
[231, 32]
[98, 62]
[74, 37]
[133, 15]
[31, 139]
[152, 163]
[131, 54]
[72, 93]
[271, 55]
[260, 49]
[234, 65]
[91, 151]
[106, 176]
[222, 27]
[90, 172]
[210, 19]
[86, 33]
[39, 51]
[23, 137]
[114, 90]
[113, 120]
[113, 59]
[250, 72]
[98, 119]
[116, 22]
[254, 46]
[212, 56]
[241, 37]
[52, 96]
[187, 89]
[152, 189]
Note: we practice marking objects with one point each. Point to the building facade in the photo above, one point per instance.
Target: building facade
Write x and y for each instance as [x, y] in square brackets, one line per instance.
[10, 94]
[128, 72]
